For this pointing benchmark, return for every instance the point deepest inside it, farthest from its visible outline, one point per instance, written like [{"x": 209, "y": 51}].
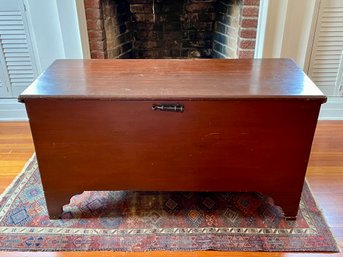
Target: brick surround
[
  {"x": 172, "y": 29},
  {"x": 235, "y": 29}
]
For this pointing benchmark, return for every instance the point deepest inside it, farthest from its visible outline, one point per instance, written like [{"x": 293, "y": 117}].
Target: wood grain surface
[
  {"x": 173, "y": 79},
  {"x": 255, "y": 146},
  {"x": 325, "y": 176}
]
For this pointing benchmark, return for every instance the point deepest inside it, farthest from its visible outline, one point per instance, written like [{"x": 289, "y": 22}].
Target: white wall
[
  {"x": 299, "y": 18},
  {"x": 288, "y": 29},
  {"x": 47, "y": 32},
  {"x": 55, "y": 27},
  {"x": 70, "y": 29}
]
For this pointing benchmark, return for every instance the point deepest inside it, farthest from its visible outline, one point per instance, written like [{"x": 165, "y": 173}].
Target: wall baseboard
[
  {"x": 12, "y": 110},
  {"x": 332, "y": 109}
]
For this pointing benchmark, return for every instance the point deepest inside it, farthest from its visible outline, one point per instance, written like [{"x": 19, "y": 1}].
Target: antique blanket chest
[{"x": 173, "y": 125}]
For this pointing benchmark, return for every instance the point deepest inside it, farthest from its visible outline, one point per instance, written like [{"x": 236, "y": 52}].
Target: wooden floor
[{"x": 325, "y": 176}]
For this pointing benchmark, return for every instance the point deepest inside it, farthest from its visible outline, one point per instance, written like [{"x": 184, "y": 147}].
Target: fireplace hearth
[{"x": 172, "y": 29}]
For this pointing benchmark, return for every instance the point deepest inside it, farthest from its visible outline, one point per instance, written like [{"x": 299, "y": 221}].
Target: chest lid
[{"x": 173, "y": 79}]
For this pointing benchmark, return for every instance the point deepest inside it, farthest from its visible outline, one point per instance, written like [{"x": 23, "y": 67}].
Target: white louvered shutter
[
  {"x": 327, "y": 46},
  {"x": 16, "y": 53}
]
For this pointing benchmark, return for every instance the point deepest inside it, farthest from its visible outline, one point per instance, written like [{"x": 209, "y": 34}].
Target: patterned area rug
[{"x": 137, "y": 221}]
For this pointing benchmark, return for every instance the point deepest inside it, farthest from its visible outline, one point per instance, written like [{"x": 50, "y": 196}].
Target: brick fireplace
[{"x": 172, "y": 28}]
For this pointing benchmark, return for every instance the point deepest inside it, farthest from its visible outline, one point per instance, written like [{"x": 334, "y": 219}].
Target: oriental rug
[{"x": 144, "y": 221}]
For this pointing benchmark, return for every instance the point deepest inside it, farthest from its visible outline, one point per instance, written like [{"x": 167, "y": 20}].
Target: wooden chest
[{"x": 173, "y": 125}]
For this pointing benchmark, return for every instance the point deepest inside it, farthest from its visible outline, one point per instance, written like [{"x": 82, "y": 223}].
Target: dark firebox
[{"x": 172, "y": 29}]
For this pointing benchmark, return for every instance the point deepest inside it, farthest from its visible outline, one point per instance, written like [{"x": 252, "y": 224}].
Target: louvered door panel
[
  {"x": 16, "y": 49},
  {"x": 327, "y": 45}
]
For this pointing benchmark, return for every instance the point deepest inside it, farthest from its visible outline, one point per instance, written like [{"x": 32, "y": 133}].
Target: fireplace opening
[{"x": 172, "y": 29}]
